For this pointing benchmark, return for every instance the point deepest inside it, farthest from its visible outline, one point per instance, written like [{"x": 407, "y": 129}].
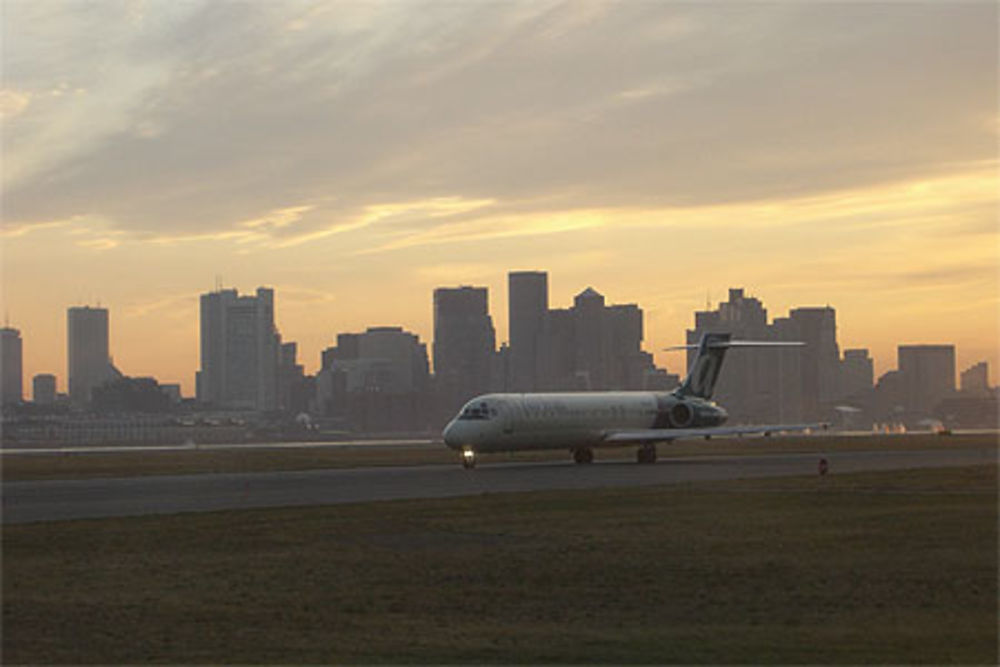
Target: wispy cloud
[{"x": 176, "y": 128}]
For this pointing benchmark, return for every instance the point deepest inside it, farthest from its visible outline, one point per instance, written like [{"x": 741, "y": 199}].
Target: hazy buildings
[
  {"x": 294, "y": 389},
  {"x": 376, "y": 381},
  {"x": 43, "y": 389},
  {"x": 464, "y": 344},
  {"x": 820, "y": 359},
  {"x": 781, "y": 384},
  {"x": 130, "y": 395},
  {"x": 11, "y": 387},
  {"x": 239, "y": 351},
  {"x": 928, "y": 376},
  {"x": 857, "y": 375},
  {"x": 593, "y": 346},
  {"x": 89, "y": 360},
  {"x": 976, "y": 405},
  {"x": 975, "y": 380},
  {"x": 528, "y": 304},
  {"x": 760, "y": 385}
]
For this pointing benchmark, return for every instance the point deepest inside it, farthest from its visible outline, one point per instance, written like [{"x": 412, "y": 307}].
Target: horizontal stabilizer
[{"x": 716, "y": 345}]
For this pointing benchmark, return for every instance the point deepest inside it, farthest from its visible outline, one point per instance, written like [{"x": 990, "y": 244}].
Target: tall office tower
[
  {"x": 239, "y": 351},
  {"x": 43, "y": 389},
  {"x": 464, "y": 343},
  {"x": 975, "y": 380},
  {"x": 528, "y": 303},
  {"x": 857, "y": 375},
  {"x": 89, "y": 361},
  {"x": 627, "y": 363},
  {"x": 785, "y": 383},
  {"x": 11, "y": 387},
  {"x": 593, "y": 346},
  {"x": 929, "y": 376},
  {"x": 591, "y": 339},
  {"x": 820, "y": 359}
]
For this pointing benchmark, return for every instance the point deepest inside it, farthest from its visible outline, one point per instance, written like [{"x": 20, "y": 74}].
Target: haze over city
[{"x": 356, "y": 156}]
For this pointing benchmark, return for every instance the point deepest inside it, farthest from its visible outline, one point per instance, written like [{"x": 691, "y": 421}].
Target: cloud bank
[{"x": 286, "y": 123}]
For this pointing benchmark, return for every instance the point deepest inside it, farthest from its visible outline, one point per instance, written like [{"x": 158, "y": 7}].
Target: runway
[
  {"x": 397, "y": 443},
  {"x": 32, "y": 501}
]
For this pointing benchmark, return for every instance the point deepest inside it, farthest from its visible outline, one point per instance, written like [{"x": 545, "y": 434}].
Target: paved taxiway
[{"x": 31, "y": 501}]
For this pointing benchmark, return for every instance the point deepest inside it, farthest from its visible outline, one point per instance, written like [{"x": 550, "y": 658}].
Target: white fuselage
[{"x": 510, "y": 422}]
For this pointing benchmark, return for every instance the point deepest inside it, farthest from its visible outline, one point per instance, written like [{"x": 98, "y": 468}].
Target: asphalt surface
[{"x": 32, "y": 501}]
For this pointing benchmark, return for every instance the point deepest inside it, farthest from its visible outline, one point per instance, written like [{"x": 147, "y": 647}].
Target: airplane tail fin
[{"x": 701, "y": 377}]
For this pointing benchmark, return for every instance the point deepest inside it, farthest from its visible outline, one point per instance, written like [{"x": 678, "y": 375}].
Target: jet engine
[{"x": 681, "y": 415}]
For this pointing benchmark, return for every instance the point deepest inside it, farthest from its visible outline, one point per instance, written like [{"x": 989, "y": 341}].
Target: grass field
[
  {"x": 121, "y": 464},
  {"x": 868, "y": 568}
]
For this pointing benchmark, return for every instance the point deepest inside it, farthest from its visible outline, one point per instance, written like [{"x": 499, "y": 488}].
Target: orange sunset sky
[{"x": 354, "y": 156}]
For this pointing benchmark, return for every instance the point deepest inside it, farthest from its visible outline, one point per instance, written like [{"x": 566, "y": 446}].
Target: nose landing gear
[
  {"x": 583, "y": 455},
  {"x": 468, "y": 458}
]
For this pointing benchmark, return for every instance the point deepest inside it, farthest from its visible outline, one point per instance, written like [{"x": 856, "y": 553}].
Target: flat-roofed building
[
  {"x": 43, "y": 389},
  {"x": 240, "y": 351},
  {"x": 928, "y": 373},
  {"x": 528, "y": 305},
  {"x": 464, "y": 344},
  {"x": 89, "y": 358}
]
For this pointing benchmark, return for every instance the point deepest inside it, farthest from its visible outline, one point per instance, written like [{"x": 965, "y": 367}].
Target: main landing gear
[
  {"x": 646, "y": 454},
  {"x": 468, "y": 459},
  {"x": 583, "y": 455}
]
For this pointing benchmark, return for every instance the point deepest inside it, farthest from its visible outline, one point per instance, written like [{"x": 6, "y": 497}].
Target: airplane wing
[{"x": 668, "y": 434}]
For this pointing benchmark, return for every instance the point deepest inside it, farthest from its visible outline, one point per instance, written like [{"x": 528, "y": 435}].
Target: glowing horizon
[{"x": 363, "y": 154}]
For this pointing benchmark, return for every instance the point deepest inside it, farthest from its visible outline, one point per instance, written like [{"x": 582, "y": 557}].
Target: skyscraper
[
  {"x": 89, "y": 361},
  {"x": 239, "y": 351},
  {"x": 590, "y": 329},
  {"x": 928, "y": 373},
  {"x": 464, "y": 343},
  {"x": 528, "y": 303},
  {"x": 11, "y": 387},
  {"x": 593, "y": 346},
  {"x": 817, "y": 328}
]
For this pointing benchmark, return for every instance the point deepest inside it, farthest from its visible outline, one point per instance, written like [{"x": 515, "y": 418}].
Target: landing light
[{"x": 468, "y": 454}]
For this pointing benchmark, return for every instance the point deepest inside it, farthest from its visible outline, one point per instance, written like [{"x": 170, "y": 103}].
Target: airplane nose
[{"x": 451, "y": 436}]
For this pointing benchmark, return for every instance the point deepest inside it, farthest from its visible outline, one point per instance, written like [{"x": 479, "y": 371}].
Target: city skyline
[
  {"x": 361, "y": 155},
  {"x": 676, "y": 357}
]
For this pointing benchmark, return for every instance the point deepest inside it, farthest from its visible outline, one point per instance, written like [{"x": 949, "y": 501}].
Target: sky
[{"x": 356, "y": 155}]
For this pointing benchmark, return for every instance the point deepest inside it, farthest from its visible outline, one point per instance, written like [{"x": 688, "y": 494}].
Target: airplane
[{"x": 584, "y": 421}]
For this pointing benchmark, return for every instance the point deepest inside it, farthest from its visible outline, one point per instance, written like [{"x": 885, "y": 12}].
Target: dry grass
[{"x": 870, "y": 568}]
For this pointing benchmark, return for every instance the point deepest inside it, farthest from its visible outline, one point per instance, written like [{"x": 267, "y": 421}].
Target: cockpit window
[{"x": 477, "y": 411}]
